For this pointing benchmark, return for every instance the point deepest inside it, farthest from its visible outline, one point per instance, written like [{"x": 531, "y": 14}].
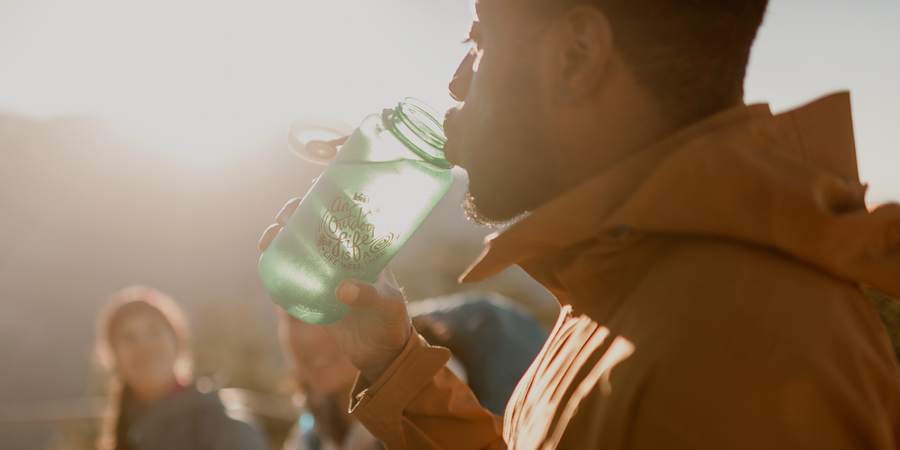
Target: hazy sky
[{"x": 209, "y": 76}]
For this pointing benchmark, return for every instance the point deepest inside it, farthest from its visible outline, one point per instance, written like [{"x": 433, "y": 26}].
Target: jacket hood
[{"x": 787, "y": 182}]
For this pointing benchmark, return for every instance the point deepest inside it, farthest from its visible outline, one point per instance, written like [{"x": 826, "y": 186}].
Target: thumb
[{"x": 359, "y": 294}]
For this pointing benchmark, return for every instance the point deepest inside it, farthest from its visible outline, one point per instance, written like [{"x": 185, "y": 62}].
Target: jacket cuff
[{"x": 416, "y": 365}]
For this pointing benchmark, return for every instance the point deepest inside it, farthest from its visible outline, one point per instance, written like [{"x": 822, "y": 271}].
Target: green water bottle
[{"x": 373, "y": 195}]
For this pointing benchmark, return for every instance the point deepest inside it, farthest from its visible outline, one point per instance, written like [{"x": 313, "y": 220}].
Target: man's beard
[
  {"x": 499, "y": 197},
  {"x": 473, "y": 213},
  {"x": 510, "y": 145}
]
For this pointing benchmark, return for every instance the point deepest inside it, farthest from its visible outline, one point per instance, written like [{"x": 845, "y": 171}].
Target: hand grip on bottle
[{"x": 313, "y": 138}]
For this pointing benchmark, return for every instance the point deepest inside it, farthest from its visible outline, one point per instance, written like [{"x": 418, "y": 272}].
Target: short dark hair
[{"x": 690, "y": 54}]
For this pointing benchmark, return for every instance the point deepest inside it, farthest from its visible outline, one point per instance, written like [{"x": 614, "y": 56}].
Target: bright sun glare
[{"x": 205, "y": 78}]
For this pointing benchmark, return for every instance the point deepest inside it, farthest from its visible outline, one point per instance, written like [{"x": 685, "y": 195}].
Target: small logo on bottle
[{"x": 347, "y": 238}]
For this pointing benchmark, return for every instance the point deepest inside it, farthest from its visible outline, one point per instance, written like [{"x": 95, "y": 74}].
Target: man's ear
[{"x": 584, "y": 48}]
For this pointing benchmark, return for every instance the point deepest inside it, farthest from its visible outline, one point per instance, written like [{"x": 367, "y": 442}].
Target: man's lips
[
  {"x": 450, "y": 153},
  {"x": 448, "y": 117}
]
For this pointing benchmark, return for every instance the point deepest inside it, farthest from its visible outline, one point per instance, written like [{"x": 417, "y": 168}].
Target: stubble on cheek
[{"x": 505, "y": 150}]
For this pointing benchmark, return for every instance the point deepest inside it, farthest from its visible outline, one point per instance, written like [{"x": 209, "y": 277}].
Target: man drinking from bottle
[{"x": 707, "y": 254}]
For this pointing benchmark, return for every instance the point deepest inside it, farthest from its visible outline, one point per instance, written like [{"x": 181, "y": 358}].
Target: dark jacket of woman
[{"x": 188, "y": 420}]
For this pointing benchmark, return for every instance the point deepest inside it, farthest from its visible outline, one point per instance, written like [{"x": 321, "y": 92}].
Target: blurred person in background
[
  {"x": 142, "y": 338},
  {"x": 707, "y": 254},
  {"x": 492, "y": 341}
]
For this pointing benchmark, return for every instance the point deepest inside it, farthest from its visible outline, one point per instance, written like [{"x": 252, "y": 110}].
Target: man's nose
[{"x": 462, "y": 79}]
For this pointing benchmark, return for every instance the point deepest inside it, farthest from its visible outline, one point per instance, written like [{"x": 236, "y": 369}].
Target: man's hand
[{"x": 376, "y": 330}]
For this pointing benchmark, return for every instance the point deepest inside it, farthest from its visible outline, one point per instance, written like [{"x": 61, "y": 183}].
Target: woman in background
[{"x": 142, "y": 338}]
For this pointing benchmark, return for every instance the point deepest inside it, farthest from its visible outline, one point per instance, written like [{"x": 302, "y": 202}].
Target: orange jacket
[{"x": 710, "y": 301}]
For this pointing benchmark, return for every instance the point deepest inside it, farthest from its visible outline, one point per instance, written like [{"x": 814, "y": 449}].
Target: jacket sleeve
[{"x": 420, "y": 404}]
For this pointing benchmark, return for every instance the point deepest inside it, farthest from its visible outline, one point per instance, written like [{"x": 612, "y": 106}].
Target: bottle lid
[
  {"x": 418, "y": 127},
  {"x": 309, "y": 138}
]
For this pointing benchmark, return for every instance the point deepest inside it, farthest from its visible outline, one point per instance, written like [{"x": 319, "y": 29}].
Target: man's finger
[
  {"x": 359, "y": 294},
  {"x": 287, "y": 210},
  {"x": 268, "y": 235},
  {"x": 348, "y": 293}
]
